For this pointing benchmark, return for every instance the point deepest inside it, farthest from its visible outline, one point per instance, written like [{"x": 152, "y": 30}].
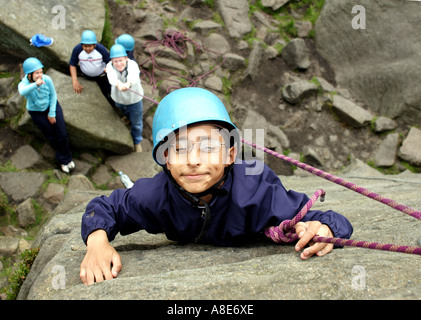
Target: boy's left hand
[
  {"x": 51, "y": 120},
  {"x": 306, "y": 231}
]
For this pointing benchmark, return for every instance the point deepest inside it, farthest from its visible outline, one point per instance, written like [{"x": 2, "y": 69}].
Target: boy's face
[
  {"x": 88, "y": 48},
  {"x": 119, "y": 63},
  {"x": 198, "y": 156}
]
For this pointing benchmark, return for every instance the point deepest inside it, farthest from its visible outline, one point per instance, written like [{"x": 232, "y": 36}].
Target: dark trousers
[{"x": 56, "y": 134}]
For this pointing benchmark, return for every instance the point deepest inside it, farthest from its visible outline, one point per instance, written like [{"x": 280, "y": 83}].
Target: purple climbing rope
[
  {"x": 177, "y": 41},
  {"x": 285, "y": 233},
  {"x": 352, "y": 186},
  {"x": 143, "y": 96}
]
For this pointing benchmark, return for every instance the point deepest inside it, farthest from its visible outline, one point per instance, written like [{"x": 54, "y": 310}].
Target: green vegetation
[
  {"x": 107, "y": 33},
  {"x": 393, "y": 170},
  {"x": 210, "y": 3},
  {"x": 227, "y": 88},
  {"x": 18, "y": 277},
  {"x": 291, "y": 13},
  {"x": 315, "y": 81}
]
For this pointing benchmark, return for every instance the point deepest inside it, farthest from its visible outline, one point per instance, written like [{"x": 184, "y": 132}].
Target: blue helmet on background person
[
  {"x": 88, "y": 37},
  {"x": 127, "y": 41},
  {"x": 184, "y": 107},
  {"x": 117, "y": 51},
  {"x": 31, "y": 64}
]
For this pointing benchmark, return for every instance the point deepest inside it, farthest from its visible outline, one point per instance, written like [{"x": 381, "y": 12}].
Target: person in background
[
  {"x": 126, "y": 90},
  {"x": 128, "y": 42},
  {"x": 45, "y": 110},
  {"x": 92, "y": 58}
]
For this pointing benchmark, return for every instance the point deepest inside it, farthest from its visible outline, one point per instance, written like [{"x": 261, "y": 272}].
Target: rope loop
[
  {"x": 285, "y": 232},
  {"x": 282, "y": 233}
]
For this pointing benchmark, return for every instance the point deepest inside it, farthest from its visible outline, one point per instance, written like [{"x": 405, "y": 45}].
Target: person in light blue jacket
[{"x": 45, "y": 111}]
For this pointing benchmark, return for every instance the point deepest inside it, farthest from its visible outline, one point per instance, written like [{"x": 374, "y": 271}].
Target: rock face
[
  {"x": 350, "y": 112},
  {"x": 235, "y": 15},
  {"x": 21, "y": 185},
  {"x": 411, "y": 147},
  {"x": 155, "y": 268},
  {"x": 378, "y": 62},
  {"x": 296, "y": 54},
  {"x": 55, "y": 20}
]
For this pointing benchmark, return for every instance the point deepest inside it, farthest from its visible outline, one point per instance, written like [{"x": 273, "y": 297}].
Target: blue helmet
[
  {"x": 88, "y": 37},
  {"x": 127, "y": 41},
  {"x": 31, "y": 64},
  {"x": 117, "y": 51},
  {"x": 184, "y": 107}
]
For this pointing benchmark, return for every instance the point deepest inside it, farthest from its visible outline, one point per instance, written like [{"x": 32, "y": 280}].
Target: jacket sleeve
[
  {"x": 125, "y": 211},
  {"x": 104, "y": 52},
  {"x": 133, "y": 72},
  {"x": 112, "y": 74},
  {"x": 26, "y": 88},
  {"x": 53, "y": 96},
  {"x": 276, "y": 204},
  {"x": 74, "y": 58}
]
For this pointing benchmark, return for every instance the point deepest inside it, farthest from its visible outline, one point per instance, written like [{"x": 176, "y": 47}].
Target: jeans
[{"x": 135, "y": 113}]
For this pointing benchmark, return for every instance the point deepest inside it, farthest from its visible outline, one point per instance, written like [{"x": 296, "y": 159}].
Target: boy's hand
[
  {"x": 306, "y": 231},
  {"x": 101, "y": 262},
  {"x": 52, "y": 120},
  {"x": 40, "y": 82},
  {"x": 77, "y": 87},
  {"x": 122, "y": 86}
]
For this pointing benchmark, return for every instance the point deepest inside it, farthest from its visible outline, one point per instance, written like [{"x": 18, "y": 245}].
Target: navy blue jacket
[{"x": 252, "y": 203}]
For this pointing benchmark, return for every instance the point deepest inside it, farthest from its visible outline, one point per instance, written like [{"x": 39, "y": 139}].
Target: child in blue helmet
[
  {"x": 128, "y": 42},
  {"x": 126, "y": 90},
  {"x": 203, "y": 195},
  {"x": 45, "y": 111},
  {"x": 92, "y": 58}
]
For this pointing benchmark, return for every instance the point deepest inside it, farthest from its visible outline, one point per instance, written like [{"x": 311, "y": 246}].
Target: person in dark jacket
[
  {"x": 205, "y": 194},
  {"x": 92, "y": 59}
]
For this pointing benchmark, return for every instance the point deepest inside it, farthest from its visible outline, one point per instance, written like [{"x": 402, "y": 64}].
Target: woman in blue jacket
[
  {"x": 203, "y": 195},
  {"x": 45, "y": 111}
]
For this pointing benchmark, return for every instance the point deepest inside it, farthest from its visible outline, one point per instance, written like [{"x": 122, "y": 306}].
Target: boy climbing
[
  {"x": 92, "y": 58},
  {"x": 203, "y": 194}
]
